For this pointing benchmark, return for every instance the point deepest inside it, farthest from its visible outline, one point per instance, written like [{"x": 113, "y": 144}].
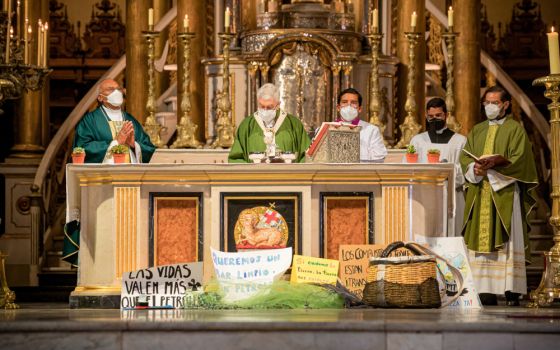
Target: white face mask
[
  {"x": 348, "y": 113},
  {"x": 115, "y": 98},
  {"x": 267, "y": 115},
  {"x": 492, "y": 111}
]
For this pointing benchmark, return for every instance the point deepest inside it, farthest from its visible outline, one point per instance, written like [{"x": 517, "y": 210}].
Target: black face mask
[{"x": 435, "y": 124}]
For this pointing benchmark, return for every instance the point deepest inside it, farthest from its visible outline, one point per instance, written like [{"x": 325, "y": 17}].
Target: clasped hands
[
  {"x": 482, "y": 165},
  {"x": 126, "y": 135}
]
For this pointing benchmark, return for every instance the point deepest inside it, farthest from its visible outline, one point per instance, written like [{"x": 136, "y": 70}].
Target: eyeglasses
[
  {"x": 351, "y": 103},
  {"x": 495, "y": 103}
]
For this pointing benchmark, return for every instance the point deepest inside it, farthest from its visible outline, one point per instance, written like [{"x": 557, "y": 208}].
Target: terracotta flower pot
[
  {"x": 433, "y": 157},
  {"x": 78, "y": 158},
  {"x": 412, "y": 157},
  {"x": 118, "y": 158}
]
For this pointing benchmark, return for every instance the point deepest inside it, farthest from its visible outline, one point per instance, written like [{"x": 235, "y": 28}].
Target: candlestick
[
  {"x": 375, "y": 20},
  {"x": 374, "y": 91},
  {"x": 553, "y": 52},
  {"x": 450, "y": 17},
  {"x": 151, "y": 126},
  {"x": 186, "y": 23},
  {"x": 226, "y": 19},
  {"x": 186, "y": 128},
  {"x": 27, "y": 35},
  {"x": 39, "y": 39},
  {"x": 18, "y": 31},
  {"x": 151, "y": 19},
  {"x": 452, "y": 122}
]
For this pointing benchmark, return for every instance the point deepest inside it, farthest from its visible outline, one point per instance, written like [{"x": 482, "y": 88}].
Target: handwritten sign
[
  {"x": 307, "y": 269},
  {"x": 240, "y": 275},
  {"x": 162, "y": 286},
  {"x": 354, "y": 261},
  {"x": 453, "y": 250}
]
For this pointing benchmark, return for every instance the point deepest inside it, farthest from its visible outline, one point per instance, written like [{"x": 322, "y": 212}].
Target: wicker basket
[{"x": 406, "y": 281}]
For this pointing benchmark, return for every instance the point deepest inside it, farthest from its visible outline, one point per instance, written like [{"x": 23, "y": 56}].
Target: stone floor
[{"x": 50, "y": 326}]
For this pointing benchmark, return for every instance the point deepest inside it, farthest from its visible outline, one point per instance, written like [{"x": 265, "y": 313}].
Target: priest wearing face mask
[
  {"x": 109, "y": 125},
  {"x": 450, "y": 145},
  {"x": 269, "y": 130},
  {"x": 372, "y": 148},
  {"x": 501, "y": 177}
]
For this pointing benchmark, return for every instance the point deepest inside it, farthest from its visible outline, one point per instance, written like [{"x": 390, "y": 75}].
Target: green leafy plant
[
  {"x": 410, "y": 149},
  {"x": 78, "y": 150},
  {"x": 433, "y": 151},
  {"x": 119, "y": 149}
]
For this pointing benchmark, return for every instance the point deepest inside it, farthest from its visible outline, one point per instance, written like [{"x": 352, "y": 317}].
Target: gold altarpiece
[{"x": 311, "y": 52}]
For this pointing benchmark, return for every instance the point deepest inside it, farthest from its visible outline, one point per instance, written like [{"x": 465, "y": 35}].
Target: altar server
[
  {"x": 450, "y": 144},
  {"x": 269, "y": 130},
  {"x": 110, "y": 125}
]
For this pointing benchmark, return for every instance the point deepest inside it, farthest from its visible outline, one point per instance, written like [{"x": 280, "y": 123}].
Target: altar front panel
[{"x": 122, "y": 231}]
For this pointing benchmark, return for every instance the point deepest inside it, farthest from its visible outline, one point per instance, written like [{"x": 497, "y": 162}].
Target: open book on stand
[{"x": 335, "y": 142}]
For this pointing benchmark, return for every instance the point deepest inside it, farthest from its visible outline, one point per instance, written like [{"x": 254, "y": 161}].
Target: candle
[
  {"x": 45, "y": 43},
  {"x": 226, "y": 19},
  {"x": 450, "y": 17},
  {"x": 151, "y": 18},
  {"x": 11, "y": 32},
  {"x": 553, "y": 52},
  {"x": 9, "y": 11},
  {"x": 375, "y": 20},
  {"x": 27, "y": 35},
  {"x": 18, "y": 19},
  {"x": 413, "y": 19},
  {"x": 39, "y": 43},
  {"x": 186, "y": 23}
]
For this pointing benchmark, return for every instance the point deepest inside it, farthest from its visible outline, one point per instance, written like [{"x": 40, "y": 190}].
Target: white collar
[
  {"x": 497, "y": 121},
  {"x": 113, "y": 114}
]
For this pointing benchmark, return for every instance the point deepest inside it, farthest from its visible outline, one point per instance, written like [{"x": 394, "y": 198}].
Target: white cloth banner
[{"x": 240, "y": 274}]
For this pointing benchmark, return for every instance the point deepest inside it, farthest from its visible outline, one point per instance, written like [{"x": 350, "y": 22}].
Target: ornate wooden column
[
  {"x": 197, "y": 17},
  {"x": 248, "y": 14},
  {"x": 162, "y": 79},
  {"x": 136, "y": 59},
  {"x": 405, "y": 10},
  {"x": 467, "y": 62},
  {"x": 32, "y": 121}
]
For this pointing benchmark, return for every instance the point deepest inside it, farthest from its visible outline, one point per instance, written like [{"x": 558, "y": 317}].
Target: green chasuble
[
  {"x": 249, "y": 138},
  {"x": 94, "y": 135},
  {"x": 487, "y": 225}
]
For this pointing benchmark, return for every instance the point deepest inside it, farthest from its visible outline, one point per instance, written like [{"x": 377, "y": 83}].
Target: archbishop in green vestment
[
  {"x": 269, "y": 130},
  {"x": 501, "y": 175}
]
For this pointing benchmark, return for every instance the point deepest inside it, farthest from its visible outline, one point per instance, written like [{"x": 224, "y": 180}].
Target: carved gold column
[
  {"x": 467, "y": 70},
  {"x": 31, "y": 110},
  {"x": 346, "y": 72},
  {"x": 135, "y": 74},
  {"x": 197, "y": 18},
  {"x": 336, "y": 87},
  {"x": 160, "y": 9},
  {"x": 405, "y": 10},
  {"x": 252, "y": 68},
  {"x": 452, "y": 122},
  {"x": 549, "y": 288},
  {"x": 264, "y": 68}
]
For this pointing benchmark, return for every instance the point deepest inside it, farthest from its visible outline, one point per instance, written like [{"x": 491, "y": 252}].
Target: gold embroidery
[{"x": 486, "y": 197}]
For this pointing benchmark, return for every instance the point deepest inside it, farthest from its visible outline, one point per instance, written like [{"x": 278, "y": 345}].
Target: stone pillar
[
  {"x": 467, "y": 63},
  {"x": 162, "y": 79},
  {"x": 197, "y": 15},
  {"x": 405, "y": 10},
  {"x": 32, "y": 121},
  {"x": 136, "y": 58}
]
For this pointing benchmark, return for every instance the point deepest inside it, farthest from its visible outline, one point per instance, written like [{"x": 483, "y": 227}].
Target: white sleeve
[
  {"x": 108, "y": 158},
  {"x": 377, "y": 150},
  {"x": 136, "y": 156},
  {"x": 498, "y": 181},
  {"x": 470, "y": 176}
]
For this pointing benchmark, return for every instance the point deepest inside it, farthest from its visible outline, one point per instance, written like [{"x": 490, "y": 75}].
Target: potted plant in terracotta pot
[
  {"x": 78, "y": 155},
  {"x": 411, "y": 155},
  {"x": 433, "y": 155},
  {"x": 119, "y": 153}
]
